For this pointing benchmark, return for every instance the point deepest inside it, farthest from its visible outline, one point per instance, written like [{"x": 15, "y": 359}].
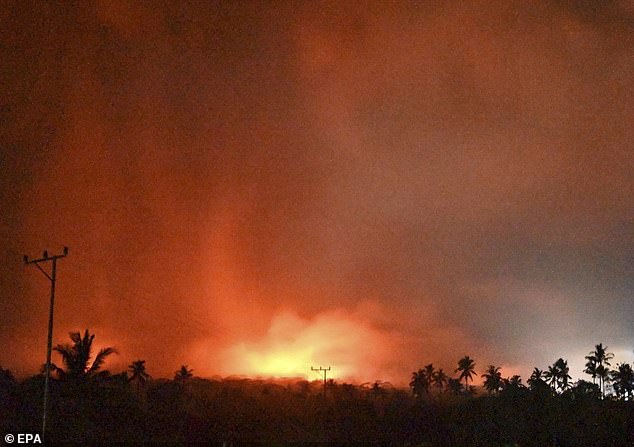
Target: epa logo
[{"x": 23, "y": 438}]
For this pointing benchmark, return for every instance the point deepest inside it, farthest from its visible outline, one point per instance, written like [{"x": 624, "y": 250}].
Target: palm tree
[
  {"x": 377, "y": 388},
  {"x": 562, "y": 369},
  {"x": 429, "y": 376},
  {"x": 492, "y": 379},
  {"x": 183, "y": 374},
  {"x": 591, "y": 367},
  {"x": 550, "y": 376},
  {"x": 429, "y": 371},
  {"x": 623, "y": 379},
  {"x": 440, "y": 379},
  {"x": 603, "y": 373},
  {"x": 454, "y": 386},
  {"x": 76, "y": 357},
  {"x": 585, "y": 389},
  {"x": 513, "y": 384},
  {"x": 536, "y": 380},
  {"x": 601, "y": 359},
  {"x": 419, "y": 383},
  {"x": 138, "y": 373},
  {"x": 466, "y": 366}
]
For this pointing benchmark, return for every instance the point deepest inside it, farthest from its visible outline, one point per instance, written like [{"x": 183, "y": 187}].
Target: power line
[{"x": 52, "y": 278}]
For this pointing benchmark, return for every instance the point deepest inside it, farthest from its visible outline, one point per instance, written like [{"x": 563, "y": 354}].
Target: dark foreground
[{"x": 114, "y": 411}]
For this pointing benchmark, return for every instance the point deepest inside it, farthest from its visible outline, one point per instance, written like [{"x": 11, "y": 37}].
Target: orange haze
[{"x": 260, "y": 188}]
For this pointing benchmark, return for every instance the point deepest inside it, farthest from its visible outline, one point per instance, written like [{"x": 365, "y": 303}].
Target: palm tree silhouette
[
  {"x": 562, "y": 376},
  {"x": 422, "y": 380},
  {"x": 429, "y": 376},
  {"x": 439, "y": 379},
  {"x": 536, "y": 380},
  {"x": 454, "y": 386},
  {"x": 550, "y": 376},
  {"x": 600, "y": 359},
  {"x": 419, "y": 383},
  {"x": 183, "y": 374},
  {"x": 492, "y": 379},
  {"x": 623, "y": 379},
  {"x": 138, "y": 373},
  {"x": 591, "y": 367},
  {"x": 513, "y": 384},
  {"x": 377, "y": 388},
  {"x": 466, "y": 366},
  {"x": 76, "y": 357}
]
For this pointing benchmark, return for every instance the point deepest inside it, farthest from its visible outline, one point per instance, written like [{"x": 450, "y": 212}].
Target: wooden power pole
[
  {"x": 325, "y": 370},
  {"x": 52, "y": 277}
]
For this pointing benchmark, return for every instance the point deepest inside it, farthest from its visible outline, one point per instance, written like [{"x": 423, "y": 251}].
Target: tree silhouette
[
  {"x": 183, "y": 374},
  {"x": 623, "y": 380},
  {"x": 422, "y": 380},
  {"x": 439, "y": 378},
  {"x": 7, "y": 382},
  {"x": 512, "y": 385},
  {"x": 419, "y": 383},
  {"x": 377, "y": 388},
  {"x": 466, "y": 366},
  {"x": 454, "y": 386},
  {"x": 536, "y": 380},
  {"x": 562, "y": 376},
  {"x": 138, "y": 374},
  {"x": 429, "y": 377},
  {"x": 550, "y": 376},
  {"x": 584, "y": 389},
  {"x": 492, "y": 379},
  {"x": 591, "y": 367},
  {"x": 598, "y": 362},
  {"x": 6, "y": 376},
  {"x": 76, "y": 357}
]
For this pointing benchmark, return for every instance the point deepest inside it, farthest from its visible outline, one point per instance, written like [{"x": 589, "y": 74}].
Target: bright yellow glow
[
  {"x": 293, "y": 345},
  {"x": 281, "y": 363}
]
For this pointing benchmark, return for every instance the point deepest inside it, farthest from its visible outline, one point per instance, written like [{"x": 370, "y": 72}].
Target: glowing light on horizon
[
  {"x": 281, "y": 362},
  {"x": 293, "y": 345}
]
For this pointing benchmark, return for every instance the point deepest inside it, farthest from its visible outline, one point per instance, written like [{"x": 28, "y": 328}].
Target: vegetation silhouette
[
  {"x": 623, "y": 381},
  {"x": 138, "y": 373},
  {"x": 183, "y": 374},
  {"x": 76, "y": 357},
  {"x": 439, "y": 378},
  {"x": 466, "y": 367},
  {"x": 139, "y": 376},
  {"x": 536, "y": 380},
  {"x": 492, "y": 379},
  {"x": 597, "y": 365},
  {"x": 90, "y": 406},
  {"x": 454, "y": 386},
  {"x": 419, "y": 383}
]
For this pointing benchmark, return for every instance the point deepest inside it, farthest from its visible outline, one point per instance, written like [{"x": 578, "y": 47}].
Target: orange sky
[{"x": 249, "y": 187}]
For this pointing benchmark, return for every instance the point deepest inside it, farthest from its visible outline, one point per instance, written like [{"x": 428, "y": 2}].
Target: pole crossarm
[{"x": 49, "y": 258}]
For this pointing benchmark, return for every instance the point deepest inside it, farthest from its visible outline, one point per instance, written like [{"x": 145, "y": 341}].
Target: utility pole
[
  {"x": 325, "y": 371},
  {"x": 52, "y": 277}
]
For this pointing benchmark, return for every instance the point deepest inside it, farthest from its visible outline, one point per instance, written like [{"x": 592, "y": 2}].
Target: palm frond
[{"x": 100, "y": 358}]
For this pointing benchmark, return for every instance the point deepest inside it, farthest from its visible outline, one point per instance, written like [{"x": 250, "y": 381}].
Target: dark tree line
[
  {"x": 557, "y": 377},
  {"x": 90, "y": 406}
]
